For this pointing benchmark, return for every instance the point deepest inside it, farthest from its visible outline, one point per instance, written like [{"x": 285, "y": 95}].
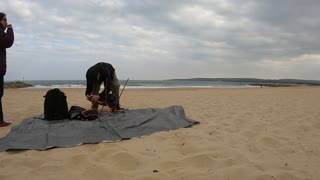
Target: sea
[{"x": 136, "y": 84}]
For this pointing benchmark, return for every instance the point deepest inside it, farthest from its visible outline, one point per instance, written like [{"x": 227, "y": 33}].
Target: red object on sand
[{"x": 4, "y": 123}]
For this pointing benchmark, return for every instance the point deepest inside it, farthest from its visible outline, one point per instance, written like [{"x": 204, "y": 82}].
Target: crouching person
[{"x": 96, "y": 75}]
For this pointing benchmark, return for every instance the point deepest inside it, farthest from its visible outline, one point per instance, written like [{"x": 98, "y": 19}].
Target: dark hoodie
[
  {"x": 106, "y": 72},
  {"x": 6, "y": 41}
]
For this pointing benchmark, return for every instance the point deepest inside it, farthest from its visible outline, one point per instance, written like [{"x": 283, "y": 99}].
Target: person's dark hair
[
  {"x": 92, "y": 74},
  {"x": 2, "y": 15}
]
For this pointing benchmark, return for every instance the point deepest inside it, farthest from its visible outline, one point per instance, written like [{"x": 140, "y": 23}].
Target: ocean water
[{"x": 141, "y": 84}]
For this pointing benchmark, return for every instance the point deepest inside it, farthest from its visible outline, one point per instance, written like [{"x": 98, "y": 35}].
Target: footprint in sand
[
  {"x": 201, "y": 160},
  {"x": 124, "y": 161},
  {"x": 270, "y": 142}
]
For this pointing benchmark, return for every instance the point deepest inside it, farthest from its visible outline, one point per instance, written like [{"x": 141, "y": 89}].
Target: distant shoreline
[
  {"x": 267, "y": 82},
  {"x": 173, "y": 83},
  {"x": 281, "y": 84}
]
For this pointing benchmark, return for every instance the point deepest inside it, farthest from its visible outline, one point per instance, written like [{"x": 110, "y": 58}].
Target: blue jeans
[
  {"x": 114, "y": 87},
  {"x": 1, "y": 94}
]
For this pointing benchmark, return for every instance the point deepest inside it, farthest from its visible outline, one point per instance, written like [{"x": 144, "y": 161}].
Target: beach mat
[{"x": 37, "y": 134}]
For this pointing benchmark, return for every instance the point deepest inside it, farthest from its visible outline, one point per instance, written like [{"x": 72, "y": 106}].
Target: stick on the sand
[{"x": 123, "y": 87}]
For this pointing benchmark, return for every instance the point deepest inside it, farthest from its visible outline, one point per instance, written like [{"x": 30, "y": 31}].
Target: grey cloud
[{"x": 149, "y": 39}]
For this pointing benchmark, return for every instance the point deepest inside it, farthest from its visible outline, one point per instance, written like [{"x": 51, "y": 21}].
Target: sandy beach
[{"x": 244, "y": 134}]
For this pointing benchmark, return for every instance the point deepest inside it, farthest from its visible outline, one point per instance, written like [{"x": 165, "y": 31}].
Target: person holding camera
[{"x": 6, "y": 41}]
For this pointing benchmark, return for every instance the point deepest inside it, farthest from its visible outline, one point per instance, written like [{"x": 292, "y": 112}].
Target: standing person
[
  {"x": 96, "y": 75},
  {"x": 6, "y": 41}
]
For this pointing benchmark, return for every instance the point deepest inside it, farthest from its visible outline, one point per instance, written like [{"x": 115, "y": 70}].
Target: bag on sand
[
  {"x": 55, "y": 105},
  {"x": 90, "y": 114},
  {"x": 79, "y": 113}
]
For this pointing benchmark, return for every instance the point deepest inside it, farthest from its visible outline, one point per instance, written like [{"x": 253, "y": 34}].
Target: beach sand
[{"x": 244, "y": 133}]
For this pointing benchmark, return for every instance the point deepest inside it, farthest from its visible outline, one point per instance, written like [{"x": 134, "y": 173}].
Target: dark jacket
[
  {"x": 106, "y": 72},
  {"x": 6, "y": 41}
]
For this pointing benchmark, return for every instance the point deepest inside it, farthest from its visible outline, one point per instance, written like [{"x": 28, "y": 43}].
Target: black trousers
[{"x": 1, "y": 94}]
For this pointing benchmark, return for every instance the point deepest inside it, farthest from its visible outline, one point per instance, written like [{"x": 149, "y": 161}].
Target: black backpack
[{"x": 55, "y": 105}]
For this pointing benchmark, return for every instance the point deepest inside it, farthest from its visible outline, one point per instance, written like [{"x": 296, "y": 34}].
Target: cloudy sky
[{"x": 153, "y": 39}]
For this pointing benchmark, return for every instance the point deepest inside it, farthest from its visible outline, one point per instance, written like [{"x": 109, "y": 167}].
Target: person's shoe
[
  {"x": 117, "y": 108},
  {"x": 4, "y": 123}
]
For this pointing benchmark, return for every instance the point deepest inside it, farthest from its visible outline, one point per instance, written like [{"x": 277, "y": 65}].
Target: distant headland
[{"x": 16, "y": 84}]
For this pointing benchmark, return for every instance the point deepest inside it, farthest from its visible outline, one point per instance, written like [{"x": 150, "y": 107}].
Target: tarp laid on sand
[{"x": 35, "y": 133}]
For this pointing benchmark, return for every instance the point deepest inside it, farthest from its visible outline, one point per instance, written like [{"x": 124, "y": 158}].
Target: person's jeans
[
  {"x": 114, "y": 87},
  {"x": 1, "y": 94}
]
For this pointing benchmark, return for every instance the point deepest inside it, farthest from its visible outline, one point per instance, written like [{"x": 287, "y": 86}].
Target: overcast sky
[{"x": 164, "y": 39}]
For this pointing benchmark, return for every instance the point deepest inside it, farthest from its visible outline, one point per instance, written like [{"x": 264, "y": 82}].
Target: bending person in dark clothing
[
  {"x": 96, "y": 75},
  {"x": 6, "y": 41}
]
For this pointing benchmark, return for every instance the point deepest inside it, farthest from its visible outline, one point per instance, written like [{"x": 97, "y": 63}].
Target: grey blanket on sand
[{"x": 38, "y": 134}]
